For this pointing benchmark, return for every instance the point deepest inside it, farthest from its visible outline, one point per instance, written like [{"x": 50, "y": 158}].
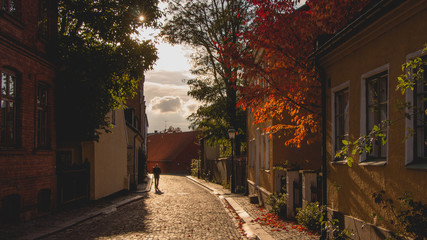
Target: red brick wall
[{"x": 25, "y": 169}]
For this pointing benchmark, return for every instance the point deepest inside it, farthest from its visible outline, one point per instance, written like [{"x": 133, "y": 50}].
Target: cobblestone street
[{"x": 184, "y": 211}]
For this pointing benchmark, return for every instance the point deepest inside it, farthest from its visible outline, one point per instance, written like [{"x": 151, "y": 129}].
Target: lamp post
[{"x": 232, "y": 136}]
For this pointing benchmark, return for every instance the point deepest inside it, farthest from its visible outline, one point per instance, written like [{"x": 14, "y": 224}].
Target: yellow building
[
  {"x": 108, "y": 159},
  {"x": 361, "y": 64}
]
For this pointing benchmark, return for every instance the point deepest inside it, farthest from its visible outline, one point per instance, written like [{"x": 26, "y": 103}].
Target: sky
[{"x": 165, "y": 89}]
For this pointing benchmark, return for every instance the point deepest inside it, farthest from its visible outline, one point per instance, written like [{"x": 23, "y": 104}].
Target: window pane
[
  {"x": 11, "y": 134},
  {"x": 3, "y": 121},
  {"x": 3, "y": 83},
  {"x": 420, "y": 120},
  {"x": 42, "y": 130},
  {"x": 12, "y": 81},
  {"x": 341, "y": 118},
  {"x": 377, "y": 102}
]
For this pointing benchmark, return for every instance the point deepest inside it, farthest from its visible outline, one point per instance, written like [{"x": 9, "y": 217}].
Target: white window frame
[
  {"x": 333, "y": 92},
  {"x": 252, "y": 152},
  {"x": 262, "y": 150},
  {"x": 267, "y": 151},
  {"x": 410, "y": 156},
  {"x": 363, "y": 97}
]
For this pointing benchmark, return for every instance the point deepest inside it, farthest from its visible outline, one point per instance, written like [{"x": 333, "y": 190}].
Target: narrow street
[{"x": 185, "y": 210}]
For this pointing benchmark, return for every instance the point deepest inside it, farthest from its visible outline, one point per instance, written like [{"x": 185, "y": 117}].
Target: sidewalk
[
  {"x": 47, "y": 225},
  {"x": 255, "y": 221}
]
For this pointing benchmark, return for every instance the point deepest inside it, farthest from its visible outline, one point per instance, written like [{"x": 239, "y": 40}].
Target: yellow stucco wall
[
  {"x": 108, "y": 158},
  {"x": 386, "y": 42},
  {"x": 307, "y": 157}
]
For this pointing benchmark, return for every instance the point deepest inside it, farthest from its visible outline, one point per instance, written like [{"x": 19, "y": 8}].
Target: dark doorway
[
  {"x": 142, "y": 165},
  {"x": 11, "y": 209},
  {"x": 43, "y": 200}
]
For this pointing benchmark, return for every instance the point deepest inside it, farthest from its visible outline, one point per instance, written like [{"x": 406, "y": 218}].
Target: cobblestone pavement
[
  {"x": 289, "y": 229},
  {"x": 183, "y": 211}
]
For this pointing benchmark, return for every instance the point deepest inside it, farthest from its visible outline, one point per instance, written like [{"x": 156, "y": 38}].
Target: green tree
[
  {"x": 206, "y": 26},
  {"x": 100, "y": 61}
]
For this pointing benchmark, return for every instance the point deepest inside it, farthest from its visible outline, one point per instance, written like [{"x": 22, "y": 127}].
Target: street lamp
[{"x": 232, "y": 136}]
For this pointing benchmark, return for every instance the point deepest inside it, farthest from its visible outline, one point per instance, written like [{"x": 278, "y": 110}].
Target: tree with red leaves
[{"x": 274, "y": 60}]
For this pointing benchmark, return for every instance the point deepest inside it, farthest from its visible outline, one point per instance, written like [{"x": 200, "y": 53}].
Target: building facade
[
  {"x": 137, "y": 127},
  {"x": 173, "y": 151},
  {"x": 361, "y": 65},
  {"x": 274, "y": 167},
  {"x": 107, "y": 158},
  {"x": 27, "y": 129}
]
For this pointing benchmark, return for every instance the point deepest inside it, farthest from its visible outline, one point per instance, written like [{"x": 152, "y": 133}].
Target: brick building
[
  {"x": 27, "y": 132},
  {"x": 173, "y": 151}
]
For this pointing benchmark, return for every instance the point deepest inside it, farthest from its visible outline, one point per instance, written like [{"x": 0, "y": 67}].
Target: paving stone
[{"x": 183, "y": 211}]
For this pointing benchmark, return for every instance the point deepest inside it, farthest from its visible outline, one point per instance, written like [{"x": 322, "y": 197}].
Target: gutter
[{"x": 372, "y": 12}]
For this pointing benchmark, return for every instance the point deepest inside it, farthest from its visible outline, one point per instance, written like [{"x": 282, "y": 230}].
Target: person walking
[{"x": 156, "y": 173}]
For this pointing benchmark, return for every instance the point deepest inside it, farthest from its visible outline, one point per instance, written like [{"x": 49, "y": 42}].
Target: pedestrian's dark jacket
[{"x": 156, "y": 171}]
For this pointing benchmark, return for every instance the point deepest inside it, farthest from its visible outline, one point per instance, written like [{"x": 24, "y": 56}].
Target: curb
[
  {"x": 252, "y": 229},
  {"x": 90, "y": 215}
]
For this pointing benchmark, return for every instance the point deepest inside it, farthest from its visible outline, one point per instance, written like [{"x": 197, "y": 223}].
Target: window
[
  {"x": 252, "y": 152},
  {"x": 340, "y": 118},
  {"x": 420, "y": 119},
  {"x": 113, "y": 117},
  {"x": 262, "y": 144},
  {"x": 8, "y": 109},
  {"x": 12, "y": 7},
  {"x": 42, "y": 116},
  {"x": 267, "y": 151},
  {"x": 376, "y": 111}
]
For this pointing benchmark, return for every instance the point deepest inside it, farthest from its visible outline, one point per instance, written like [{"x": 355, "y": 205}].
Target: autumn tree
[
  {"x": 282, "y": 82},
  {"x": 100, "y": 61},
  {"x": 206, "y": 25}
]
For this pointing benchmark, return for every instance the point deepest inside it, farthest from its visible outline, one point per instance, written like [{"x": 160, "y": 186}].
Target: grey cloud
[{"x": 167, "y": 77}]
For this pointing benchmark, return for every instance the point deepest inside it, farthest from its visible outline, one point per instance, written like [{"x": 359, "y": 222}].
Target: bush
[
  {"x": 195, "y": 167},
  {"x": 278, "y": 203},
  {"x": 311, "y": 216},
  {"x": 335, "y": 232}
]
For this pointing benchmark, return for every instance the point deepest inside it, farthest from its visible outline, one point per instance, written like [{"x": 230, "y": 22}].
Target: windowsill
[
  {"x": 340, "y": 162},
  {"x": 417, "y": 166},
  {"x": 373, "y": 163},
  {"x": 43, "y": 151}
]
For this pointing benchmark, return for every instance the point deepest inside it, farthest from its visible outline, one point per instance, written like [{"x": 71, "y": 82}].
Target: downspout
[
  {"x": 135, "y": 178},
  {"x": 324, "y": 158}
]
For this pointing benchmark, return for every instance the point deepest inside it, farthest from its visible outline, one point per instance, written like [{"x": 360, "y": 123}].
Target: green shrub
[
  {"x": 335, "y": 232},
  {"x": 195, "y": 167},
  {"x": 278, "y": 203},
  {"x": 311, "y": 216}
]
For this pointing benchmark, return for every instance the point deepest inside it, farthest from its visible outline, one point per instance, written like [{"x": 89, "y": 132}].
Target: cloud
[
  {"x": 168, "y": 77},
  {"x": 191, "y": 106},
  {"x": 153, "y": 90},
  {"x": 166, "y": 104}
]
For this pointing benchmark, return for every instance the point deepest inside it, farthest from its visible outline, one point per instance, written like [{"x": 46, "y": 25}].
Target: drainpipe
[{"x": 324, "y": 159}]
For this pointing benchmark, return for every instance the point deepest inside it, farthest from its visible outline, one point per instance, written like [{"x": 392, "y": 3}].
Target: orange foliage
[{"x": 281, "y": 81}]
